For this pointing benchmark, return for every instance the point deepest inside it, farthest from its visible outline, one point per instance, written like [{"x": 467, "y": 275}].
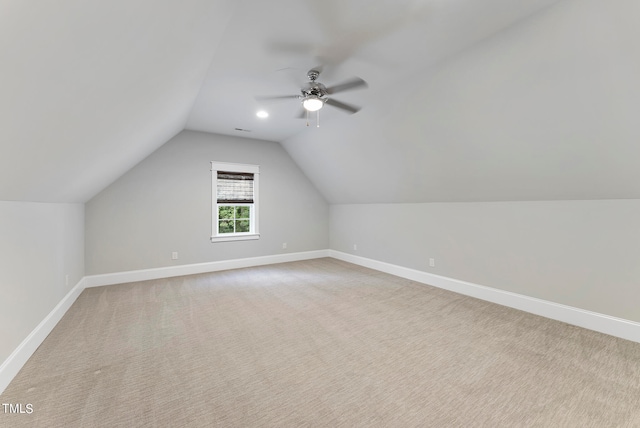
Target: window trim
[{"x": 234, "y": 167}]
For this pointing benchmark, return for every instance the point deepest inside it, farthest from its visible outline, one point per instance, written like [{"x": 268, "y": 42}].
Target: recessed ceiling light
[{"x": 262, "y": 114}]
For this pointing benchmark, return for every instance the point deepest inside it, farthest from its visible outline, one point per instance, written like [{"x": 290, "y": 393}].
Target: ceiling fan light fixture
[{"x": 312, "y": 103}]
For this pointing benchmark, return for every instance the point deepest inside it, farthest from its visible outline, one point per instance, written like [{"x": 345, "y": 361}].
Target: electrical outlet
[
  {"x": 432, "y": 262},
  {"x": 284, "y": 245},
  {"x": 355, "y": 247},
  {"x": 174, "y": 255}
]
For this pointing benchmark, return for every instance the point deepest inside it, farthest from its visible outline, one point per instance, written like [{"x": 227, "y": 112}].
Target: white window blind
[{"x": 235, "y": 187}]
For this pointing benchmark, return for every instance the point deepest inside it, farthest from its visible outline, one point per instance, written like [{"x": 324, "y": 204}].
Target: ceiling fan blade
[
  {"x": 347, "y": 107},
  {"x": 276, "y": 97},
  {"x": 286, "y": 47},
  {"x": 350, "y": 84}
]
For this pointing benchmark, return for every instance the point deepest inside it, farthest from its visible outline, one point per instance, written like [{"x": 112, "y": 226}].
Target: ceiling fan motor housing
[{"x": 314, "y": 88}]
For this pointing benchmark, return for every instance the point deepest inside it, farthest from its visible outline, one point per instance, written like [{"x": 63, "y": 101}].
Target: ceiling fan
[{"x": 314, "y": 95}]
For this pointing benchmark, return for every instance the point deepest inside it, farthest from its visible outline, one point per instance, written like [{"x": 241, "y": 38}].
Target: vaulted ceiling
[{"x": 467, "y": 100}]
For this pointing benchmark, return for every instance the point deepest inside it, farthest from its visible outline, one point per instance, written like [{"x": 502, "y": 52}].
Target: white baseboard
[
  {"x": 171, "y": 271},
  {"x": 613, "y": 326},
  {"x": 12, "y": 365}
]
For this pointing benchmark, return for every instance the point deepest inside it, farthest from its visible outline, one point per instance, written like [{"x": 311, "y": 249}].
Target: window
[{"x": 234, "y": 201}]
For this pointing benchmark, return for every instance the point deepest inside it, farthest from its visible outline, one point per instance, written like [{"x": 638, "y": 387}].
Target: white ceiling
[
  {"x": 467, "y": 99},
  {"x": 269, "y": 47},
  {"x": 88, "y": 89}
]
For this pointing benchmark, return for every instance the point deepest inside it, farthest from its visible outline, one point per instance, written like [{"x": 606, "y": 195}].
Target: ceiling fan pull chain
[
  {"x": 307, "y": 117},
  {"x": 318, "y": 119}
]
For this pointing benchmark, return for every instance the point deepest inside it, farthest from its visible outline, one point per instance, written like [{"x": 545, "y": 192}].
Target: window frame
[{"x": 254, "y": 210}]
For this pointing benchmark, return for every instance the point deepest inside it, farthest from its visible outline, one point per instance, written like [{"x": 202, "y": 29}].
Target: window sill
[{"x": 235, "y": 237}]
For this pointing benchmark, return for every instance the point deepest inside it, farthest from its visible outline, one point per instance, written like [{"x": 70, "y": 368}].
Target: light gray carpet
[{"x": 318, "y": 343}]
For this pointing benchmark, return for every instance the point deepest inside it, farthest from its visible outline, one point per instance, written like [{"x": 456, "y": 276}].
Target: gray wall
[
  {"x": 584, "y": 254},
  {"x": 164, "y": 205},
  {"x": 41, "y": 244}
]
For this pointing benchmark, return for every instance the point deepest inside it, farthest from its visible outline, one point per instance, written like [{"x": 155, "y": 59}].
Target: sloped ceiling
[
  {"x": 88, "y": 89},
  {"x": 545, "y": 110},
  {"x": 467, "y": 100}
]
